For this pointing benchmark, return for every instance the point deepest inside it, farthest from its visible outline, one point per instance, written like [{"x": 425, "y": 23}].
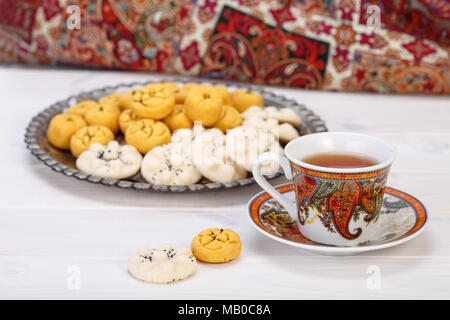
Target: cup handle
[{"x": 284, "y": 162}]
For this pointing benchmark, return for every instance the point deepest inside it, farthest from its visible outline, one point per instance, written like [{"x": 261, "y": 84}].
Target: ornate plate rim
[
  {"x": 33, "y": 129},
  {"x": 324, "y": 249}
]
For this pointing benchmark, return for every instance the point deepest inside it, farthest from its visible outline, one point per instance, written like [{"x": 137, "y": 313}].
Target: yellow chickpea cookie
[
  {"x": 82, "y": 107},
  {"x": 61, "y": 129},
  {"x": 180, "y": 94},
  {"x": 178, "y": 119},
  {"x": 126, "y": 101},
  {"x": 242, "y": 100},
  {"x": 126, "y": 118},
  {"x": 104, "y": 115},
  {"x": 83, "y": 138},
  {"x": 146, "y": 134},
  {"x": 226, "y": 97},
  {"x": 229, "y": 119},
  {"x": 203, "y": 104},
  {"x": 114, "y": 99},
  {"x": 153, "y": 102},
  {"x": 216, "y": 245},
  {"x": 171, "y": 86}
]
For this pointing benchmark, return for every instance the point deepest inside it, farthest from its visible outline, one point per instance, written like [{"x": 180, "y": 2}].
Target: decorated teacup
[{"x": 335, "y": 206}]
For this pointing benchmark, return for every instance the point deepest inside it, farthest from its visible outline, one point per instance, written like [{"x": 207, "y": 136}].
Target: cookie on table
[
  {"x": 84, "y": 137},
  {"x": 163, "y": 265},
  {"x": 203, "y": 104},
  {"x": 153, "y": 102},
  {"x": 178, "y": 118},
  {"x": 104, "y": 115},
  {"x": 61, "y": 129},
  {"x": 145, "y": 134},
  {"x": 216, "y": 245},
  {"x": 82, "y": 107}
]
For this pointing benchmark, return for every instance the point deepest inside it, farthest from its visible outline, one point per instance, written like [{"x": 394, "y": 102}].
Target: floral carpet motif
[{"x": 326, "y": 45}]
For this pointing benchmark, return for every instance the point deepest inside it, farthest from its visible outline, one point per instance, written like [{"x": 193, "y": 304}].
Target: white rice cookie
[
  {"x": 163, "y": 265},
  {"x": 170, "y": 164},
  {"x": 209, "y": 157},
  {"x": 112, "y": 161},
  {"x": 283, "y": 115},
  {"x": 254, "y": 111},
  {"x": 244, "y": 144},
  {"x": 286, "y": 132},
  {"x": 261, "y": 123}
]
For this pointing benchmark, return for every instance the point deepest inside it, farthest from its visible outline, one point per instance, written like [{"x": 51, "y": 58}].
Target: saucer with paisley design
[{"x": 402, "y": 218}]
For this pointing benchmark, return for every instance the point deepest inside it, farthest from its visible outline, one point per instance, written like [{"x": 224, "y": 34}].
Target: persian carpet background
[{"x": 309, "y": 44}]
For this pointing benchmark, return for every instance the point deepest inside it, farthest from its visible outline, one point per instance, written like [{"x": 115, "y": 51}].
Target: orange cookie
[
  {"x": 226, "y": 98},
  {"x": 81, "y": 108},
  {"x": 126, "y": 118},
  {"x": 171, "y": 86},
  {"x": 146, "y": 134},
  {"x": 104, "y": 115},
  {"x": 242, "y": 100},
  {"x": 114, "y": 99},
  {"x": 153, "y": 102},
  {"x": 203, "y": 104},
  {"x": 178, "y": 119},
  {"x": 216, "y": 245},
  {"x": 229, "y": 119},
  {"x": 126, "y": 101},
  {"x": 180, "y": 94},
  {"x": 86, "y": 136},
  {"x": 61, "y": 129}
]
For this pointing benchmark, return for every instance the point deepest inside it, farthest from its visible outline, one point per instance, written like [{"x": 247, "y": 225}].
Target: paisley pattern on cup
[{"x": 337, "y": 199}]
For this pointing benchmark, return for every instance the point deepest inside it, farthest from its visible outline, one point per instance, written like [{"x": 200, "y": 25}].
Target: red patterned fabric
[{"x": 325, "y": 45}]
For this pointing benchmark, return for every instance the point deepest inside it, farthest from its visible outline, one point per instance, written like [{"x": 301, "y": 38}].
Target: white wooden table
[{"x": 55, "y": 230}]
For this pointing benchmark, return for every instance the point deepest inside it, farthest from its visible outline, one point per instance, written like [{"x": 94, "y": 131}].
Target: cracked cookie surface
[
  {"x": 83, "y": 138},
  {"x": 145, "y": 134},
  {"x": 153, "y": 102},
  {"x": 216, "y": 245}
]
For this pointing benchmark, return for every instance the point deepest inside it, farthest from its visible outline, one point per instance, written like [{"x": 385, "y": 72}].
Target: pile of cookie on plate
[{"x": 173, "y": 135}]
